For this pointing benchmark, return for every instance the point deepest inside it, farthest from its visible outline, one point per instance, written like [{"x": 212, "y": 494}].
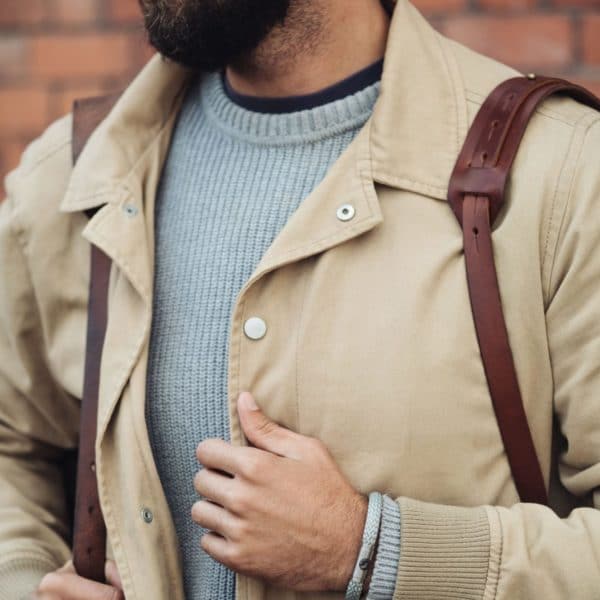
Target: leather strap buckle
[{"x": 477, "y": 181}]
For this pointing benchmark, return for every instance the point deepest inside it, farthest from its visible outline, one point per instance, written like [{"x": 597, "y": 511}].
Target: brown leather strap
[
  {"x": 88, "y": 113},
  {"x": 89, "y": 539},
  {"x": 476, "y": 195},
  {"x": 493, "y": 140},
  {"x": 89, "y": 535}
]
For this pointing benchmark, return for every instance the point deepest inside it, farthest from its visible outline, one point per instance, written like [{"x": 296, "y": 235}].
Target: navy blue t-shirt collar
[{"x": 350, "y": 85}]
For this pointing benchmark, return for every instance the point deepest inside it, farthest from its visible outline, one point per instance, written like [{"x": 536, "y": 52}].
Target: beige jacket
[{"x": 370, "y": 344}]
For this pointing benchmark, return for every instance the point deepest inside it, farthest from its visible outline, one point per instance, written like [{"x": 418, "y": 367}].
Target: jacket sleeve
[
  {"x": 527, "y": 551},
  {"x": 35, "y": 422}
]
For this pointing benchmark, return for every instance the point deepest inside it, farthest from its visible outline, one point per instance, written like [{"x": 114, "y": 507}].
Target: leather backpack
[{"x": 475, "y": 194}]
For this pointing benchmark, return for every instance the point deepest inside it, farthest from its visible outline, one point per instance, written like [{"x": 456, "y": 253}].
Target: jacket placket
[
  {"x": 121, "y": 230},
  {"x": 318, "y": 225}
]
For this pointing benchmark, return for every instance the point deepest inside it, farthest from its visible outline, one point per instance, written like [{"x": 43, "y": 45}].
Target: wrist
[{"x": 351, "y": 544}]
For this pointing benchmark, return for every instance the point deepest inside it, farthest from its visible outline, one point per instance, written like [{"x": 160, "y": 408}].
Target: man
[{"x": 289, "y": 325}]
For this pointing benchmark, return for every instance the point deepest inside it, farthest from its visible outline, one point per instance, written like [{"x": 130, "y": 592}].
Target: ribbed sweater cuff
[
  {"x": 20, "y": 576},
  {"x": 383, "y": 580},
  {"x": 446, "y": 551}
]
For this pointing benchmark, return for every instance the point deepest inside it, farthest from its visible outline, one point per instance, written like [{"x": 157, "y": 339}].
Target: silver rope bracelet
[{"x": 367, "y": 549}]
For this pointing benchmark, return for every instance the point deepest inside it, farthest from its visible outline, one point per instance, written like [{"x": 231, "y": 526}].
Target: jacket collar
[
  {"x": 418, "y": 124},
  {"x": 110, "y": 162},
  {"x": 420, "y": 120}
]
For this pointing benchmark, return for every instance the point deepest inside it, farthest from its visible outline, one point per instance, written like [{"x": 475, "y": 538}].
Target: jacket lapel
[{"x": 421, "y": 119}]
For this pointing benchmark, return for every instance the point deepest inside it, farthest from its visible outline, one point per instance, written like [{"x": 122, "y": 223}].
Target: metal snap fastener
[
  {"x": 147, "y": 515},
  {"x": 130, "y": 210},
  {"x": 255, "y": 328},
  {"x": 531, "y": 75},
  {"x": 345, "y": 212}
]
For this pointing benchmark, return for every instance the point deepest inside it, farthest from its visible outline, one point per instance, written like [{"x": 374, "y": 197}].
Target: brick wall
[{"x": 54, "y": 50}]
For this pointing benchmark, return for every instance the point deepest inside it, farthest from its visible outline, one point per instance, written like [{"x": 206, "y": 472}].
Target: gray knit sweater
[{"x": 232, "y": 179}]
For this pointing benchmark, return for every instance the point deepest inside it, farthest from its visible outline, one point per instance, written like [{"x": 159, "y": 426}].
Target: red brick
[
  {"x": 124, "y": 11},
  {"x": 591, "y": 39},
  {"x": 13, "y": 55},
  {"x": 577, "y": 3},
  {"x": 23, "y": 110},
  {"x": 80, "y": 56},
  {"x": 141, "y": 51},
  {"x": 508, "y": 5},
  {"x": 21, "y": 12},
  {"x": 435, "y": 7},
  {"x": 71, "y": 12},
  {"x": 520, "y": 41}
]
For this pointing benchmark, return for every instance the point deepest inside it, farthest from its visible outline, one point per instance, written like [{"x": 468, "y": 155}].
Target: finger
[
  {"x": 265, "y": 433},
  {"x": 216, "y": 546},
  {"x": 214, "y": 486},
  {"x": 213, "y": 517},
  {"x": 219, "y": 454},
  {"x": 68, "y": 586},
  {"x": 112, "y": 574}
]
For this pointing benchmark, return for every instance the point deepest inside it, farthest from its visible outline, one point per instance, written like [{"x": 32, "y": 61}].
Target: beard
[{"x": 207, "y": 35}]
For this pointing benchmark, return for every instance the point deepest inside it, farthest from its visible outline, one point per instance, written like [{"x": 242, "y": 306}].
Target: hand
[
  {"x": 65, "y": 584},
  {"x": 281, "y": 511}
]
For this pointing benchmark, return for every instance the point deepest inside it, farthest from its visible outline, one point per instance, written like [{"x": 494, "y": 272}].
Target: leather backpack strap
[
  {"x": 476, "y": 195},
  {"x": 89, "y": 530},
  {"x": 88, "y": 113}
]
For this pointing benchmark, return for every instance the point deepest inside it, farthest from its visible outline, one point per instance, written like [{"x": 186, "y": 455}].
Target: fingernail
[{"x": 249, "y": 401}]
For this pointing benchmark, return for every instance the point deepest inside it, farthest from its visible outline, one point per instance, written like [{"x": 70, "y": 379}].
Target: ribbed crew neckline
[{"x": 277, "y": 129}]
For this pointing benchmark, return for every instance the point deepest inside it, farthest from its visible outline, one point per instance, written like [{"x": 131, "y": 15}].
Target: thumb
[
  {"x": 111, "y": 572},
  {"x": 261, "y": 431}
]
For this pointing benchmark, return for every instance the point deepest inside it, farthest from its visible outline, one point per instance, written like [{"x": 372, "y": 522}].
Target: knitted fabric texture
[{"x": 232, "y": 179}]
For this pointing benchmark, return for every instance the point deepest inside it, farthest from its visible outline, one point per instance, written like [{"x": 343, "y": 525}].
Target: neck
[{"x": 320, "y": 42}]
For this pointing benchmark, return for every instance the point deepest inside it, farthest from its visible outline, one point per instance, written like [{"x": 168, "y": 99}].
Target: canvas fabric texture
[{"x": 370, "y": 346}]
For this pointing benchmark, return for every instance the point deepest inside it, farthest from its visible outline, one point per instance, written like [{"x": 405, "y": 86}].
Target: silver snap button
[
  {"x": 130, "y": 210},
  {"x": 255, "y": 328},
  {"x": 147, "y": 515},
  {"x": 345, "y": 212}
]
